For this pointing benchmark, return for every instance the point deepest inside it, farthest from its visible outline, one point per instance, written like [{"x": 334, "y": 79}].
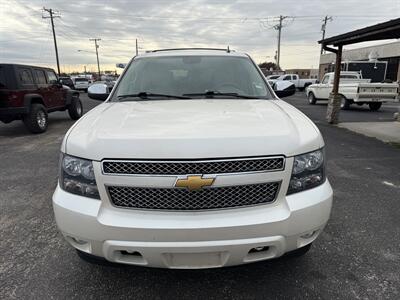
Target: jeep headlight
[
  {"x": 308, "y": 171},
  {"x": 77, "y": 176}
]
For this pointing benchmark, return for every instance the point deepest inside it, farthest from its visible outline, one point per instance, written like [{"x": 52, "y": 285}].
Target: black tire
[
  {"x": 36, "y": 120},
  {"x": 374, "y": 106},
  {"x": 301, "y": 89},
  {"x": 86, "y": 90},
  {"x": 75, "y": 109},
  {"x": 311, "y": 98},
  {"x": 344, "y": 103},
  {"x": 96, "y": 260},
  {"x": 299, "y": 252}
]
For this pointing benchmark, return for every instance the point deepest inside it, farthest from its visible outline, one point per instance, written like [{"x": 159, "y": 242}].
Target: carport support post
[{"x": 332, "y": 113}]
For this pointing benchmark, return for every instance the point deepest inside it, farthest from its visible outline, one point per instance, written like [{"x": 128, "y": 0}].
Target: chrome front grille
[
  {"x": 185, "y": 167},
  {"x": 183, "y": 199}
]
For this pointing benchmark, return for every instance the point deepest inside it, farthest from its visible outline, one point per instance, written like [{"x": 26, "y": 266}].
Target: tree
[{"x": 268, "y": 66}]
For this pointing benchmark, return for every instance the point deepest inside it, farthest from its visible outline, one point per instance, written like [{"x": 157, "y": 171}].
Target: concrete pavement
[{"x": 388, "y": 132}]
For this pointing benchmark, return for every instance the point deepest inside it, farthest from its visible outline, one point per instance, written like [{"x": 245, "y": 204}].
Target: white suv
[{"x": 192, "y": 162}]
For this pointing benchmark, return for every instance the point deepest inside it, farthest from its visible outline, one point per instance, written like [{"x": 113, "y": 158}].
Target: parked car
[
  {"x": 270, "y": 77},
  {"x": 300, "y": 84},
  {"x": 192, "y": 162},
  {"x": 66, "y": 80},
  {"x": 29, "y": 93},
  {"x": 354, "y": 89},
  {"x": 81, "y": 83}
]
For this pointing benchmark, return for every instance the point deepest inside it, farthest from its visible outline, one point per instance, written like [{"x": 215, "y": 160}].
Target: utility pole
[
  {"x": 279, "y": 28},
  {"x": 52, "y": 16},
  {"x": 137, "y": 48},
  {"x": 323, "y": 28},
  {"x": 97, "y": 54}
]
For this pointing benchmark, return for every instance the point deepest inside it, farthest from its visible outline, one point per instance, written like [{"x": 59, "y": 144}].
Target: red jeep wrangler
[{"x": 29, "y": 93}]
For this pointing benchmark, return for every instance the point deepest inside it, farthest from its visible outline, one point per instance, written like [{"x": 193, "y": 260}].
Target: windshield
[{"x": 192, "y": 77}]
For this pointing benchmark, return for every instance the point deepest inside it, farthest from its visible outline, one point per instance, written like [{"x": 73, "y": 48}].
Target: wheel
[
  {"x": 37, "y": 119},
  {"x": 301, "y": 89},
  {"x": 86, "y": 90},
  {"x": 311, "y": 98},
  {"x": 75, "y": 110},
  {"x": 96, "y": 260},
  {"x": 374, "y": 106},
  {"x": 299, "y": 252},
  {"x": 344, "y": 103}
]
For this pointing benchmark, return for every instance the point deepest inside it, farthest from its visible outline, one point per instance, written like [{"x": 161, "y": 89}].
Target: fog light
[
  {"x": 309, "y": 235},
  {"x": 79, "y": 242}
]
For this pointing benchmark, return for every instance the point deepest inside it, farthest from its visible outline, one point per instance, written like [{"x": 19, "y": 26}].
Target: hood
[{"x": 184, "y": 129}]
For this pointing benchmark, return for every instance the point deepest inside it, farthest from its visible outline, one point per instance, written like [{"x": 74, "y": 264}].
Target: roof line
[
  {"x": 179, "y": 49},
  {"x": 362, "y": 34}
]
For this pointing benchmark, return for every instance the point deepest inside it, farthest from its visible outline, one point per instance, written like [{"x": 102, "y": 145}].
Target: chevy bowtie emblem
[{"x": 193, "y": 183}]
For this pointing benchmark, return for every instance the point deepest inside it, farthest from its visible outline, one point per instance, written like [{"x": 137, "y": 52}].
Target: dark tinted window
[
  {"x": 2, "y": 79},
  {"x": 81, "y": 79},
  {"x": 25, "y": 76},
  {"x": 287, "y": 77},
  {"x": 40, "y": 77}
]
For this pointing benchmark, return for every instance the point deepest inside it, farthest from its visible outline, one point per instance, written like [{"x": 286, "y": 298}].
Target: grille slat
[
  {"x": 183, "y": 199},
  {"x": 194, "y": 167}
]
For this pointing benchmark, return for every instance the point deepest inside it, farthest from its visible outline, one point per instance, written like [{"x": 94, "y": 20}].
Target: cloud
[{"x": 244, "y": 25}]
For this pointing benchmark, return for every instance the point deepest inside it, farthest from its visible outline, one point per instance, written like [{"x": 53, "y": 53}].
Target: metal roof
[{"x": 381, "y": 31}]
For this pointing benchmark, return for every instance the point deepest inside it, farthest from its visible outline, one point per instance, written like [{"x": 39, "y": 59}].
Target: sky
[{"x": 247, "y": 26}]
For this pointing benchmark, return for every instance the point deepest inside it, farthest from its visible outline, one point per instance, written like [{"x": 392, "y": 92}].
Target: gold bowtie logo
[{"x": 193, "y": 183}]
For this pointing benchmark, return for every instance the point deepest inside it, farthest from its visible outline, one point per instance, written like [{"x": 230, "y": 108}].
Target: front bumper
[{"x": 201, "y": 239}]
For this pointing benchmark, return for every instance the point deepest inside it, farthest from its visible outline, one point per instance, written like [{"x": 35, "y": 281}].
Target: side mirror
[
  {"x": 98, "y": 91},
  {"x": 316, "y": 81},
  {"x": 284, "y": 88}
]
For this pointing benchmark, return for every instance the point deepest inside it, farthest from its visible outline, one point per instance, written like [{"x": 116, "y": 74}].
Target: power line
[{"x": 53, "y": 15}]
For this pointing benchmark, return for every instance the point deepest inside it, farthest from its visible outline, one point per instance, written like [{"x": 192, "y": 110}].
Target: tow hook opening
[
  {"x": 129, "y": 257},
  {"x": 132, "y": 253},
  {"x": 259, "y": 249},
  {"x": 260, "y": 253}
]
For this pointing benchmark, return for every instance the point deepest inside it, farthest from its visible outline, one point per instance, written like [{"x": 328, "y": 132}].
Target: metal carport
[{"x": 381, "y": 31}]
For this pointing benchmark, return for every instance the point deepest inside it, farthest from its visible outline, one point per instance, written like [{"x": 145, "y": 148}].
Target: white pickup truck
[
  {"x": 301, "y": 84},
  {"x": 354, "y": 89}
]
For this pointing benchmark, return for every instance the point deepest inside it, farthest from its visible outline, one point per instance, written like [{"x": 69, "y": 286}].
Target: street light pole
[{"x": 97, "y": 54}]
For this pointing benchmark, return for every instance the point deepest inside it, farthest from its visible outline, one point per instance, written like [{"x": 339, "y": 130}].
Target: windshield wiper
[
  {"x": 145, "y": 95},
  {"x": 211, "y": 94}
]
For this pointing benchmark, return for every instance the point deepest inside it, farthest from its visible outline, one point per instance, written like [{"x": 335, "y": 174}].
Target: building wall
[{"x": 389, "y": 52}]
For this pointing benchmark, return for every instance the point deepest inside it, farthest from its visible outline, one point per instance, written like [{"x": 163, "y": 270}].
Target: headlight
[
  {"x": 77, "y": 176},
  {"x": 308, "y": 171}
]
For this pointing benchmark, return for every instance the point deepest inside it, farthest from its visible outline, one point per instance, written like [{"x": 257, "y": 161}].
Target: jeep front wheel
[
  {"x": 36, "y": 120},
  {"x": 75, "y": 109}
]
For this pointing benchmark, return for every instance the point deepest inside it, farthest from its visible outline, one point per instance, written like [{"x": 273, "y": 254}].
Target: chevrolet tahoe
[{"x": 192, "y": 161}]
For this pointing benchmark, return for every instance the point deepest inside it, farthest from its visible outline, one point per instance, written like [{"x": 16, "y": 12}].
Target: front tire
[
  {"x": 75, "y": 109},
  {"x": 36, "y": 120},
  {"x": 311, "y": 98},
  {"x": 344, "y": 103},
  {"x": 374, "y": 106}
]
